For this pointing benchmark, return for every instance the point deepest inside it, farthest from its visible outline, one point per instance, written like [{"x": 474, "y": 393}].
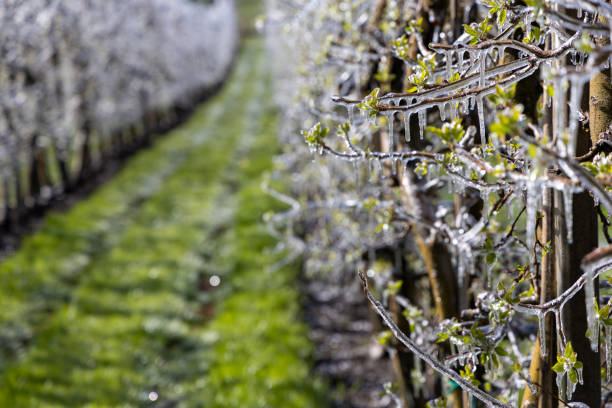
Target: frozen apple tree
[
  {"x": 462, "y": 164},
  {"x": 84, "y": 81}
]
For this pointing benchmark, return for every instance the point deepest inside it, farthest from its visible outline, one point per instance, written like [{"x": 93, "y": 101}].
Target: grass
[
  {"x": 248, "y": 10},
  {"x": 109, "y": 304}
]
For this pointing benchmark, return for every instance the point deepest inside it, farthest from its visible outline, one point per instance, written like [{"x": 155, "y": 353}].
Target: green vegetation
[
  {"x": 248, "y": 10},
  {"x": 111, "y": 304}
]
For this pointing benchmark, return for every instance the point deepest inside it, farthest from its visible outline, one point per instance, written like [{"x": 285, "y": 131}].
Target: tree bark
[{"x": 584, "y": 233}]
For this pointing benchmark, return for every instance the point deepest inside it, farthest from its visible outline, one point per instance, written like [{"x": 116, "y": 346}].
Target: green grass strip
[{"x": 261, "y": 354}]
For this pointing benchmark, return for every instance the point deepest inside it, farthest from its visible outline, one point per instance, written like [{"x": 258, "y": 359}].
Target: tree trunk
[
  {"x": 540, "y": 370},
  {"x": 584, "y": 233}
]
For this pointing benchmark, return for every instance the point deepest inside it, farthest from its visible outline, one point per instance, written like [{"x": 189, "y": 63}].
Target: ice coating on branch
[{"x": 462, "y": 92}]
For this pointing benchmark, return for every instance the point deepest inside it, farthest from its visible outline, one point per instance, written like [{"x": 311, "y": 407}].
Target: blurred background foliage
[{"x": 158, "y": 288}]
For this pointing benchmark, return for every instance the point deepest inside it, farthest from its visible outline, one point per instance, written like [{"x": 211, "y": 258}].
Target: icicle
[
  {"x": 442, "y": 108},
  {"x": 449, "y": 61},
  {"x": 483, "y": 67},
  {"x": 371, "y": 170},
  {"x": 422, "y": 122},
  {"x": 351, "y": 115},
  {"x": 381, "y": 171},
  {"x": 542, "y": 330},
  {"x": 575, "y": 97},
  {"x": 559, "y": 380},
  {"x": 528, "y": 18},
  {"x": 532, "y": 204},
  {"x": 453, "y": 110},
  {"x": 502, "y": 52},
  {"x": 485, "y": 194},
  {"x": 592, "y": 320},
  {"x": 390, "y": 119},
  {"x": 472, "y": 58},
  {"x": 571, "y": 386},
  {"x": 567, "y": 203},
  {"x": 464, "y": 257},
  {"x": 460, "y": 186},
  {"x": 481, "y": 120},
  {"x": 460, "y": 61},
  {"x": 559, "y": 111},
  {"x": 488, "y": 269},
  {"x": 465, "y": 105},
  {"x": 460, "y": 269},
  {"x": 579, "y": 12},
  {"x": 407, "y": 126},
  {"x": 472, "y": 102}
]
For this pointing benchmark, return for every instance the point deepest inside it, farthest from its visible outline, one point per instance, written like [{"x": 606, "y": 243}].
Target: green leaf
[
  {"x": 469, "y": 30},
  {"x": 569, "y": 351},
  {"x": 455, "y": 77},
  {"x": 383, "y": 337},
  {"x": 501, "y": 351},
  {"x": 558, "y": 367},
  {"x": 491, "y": 258},
  {"x": 394, "y": 287},
  {"x": 604, "y": 311},
  {"x": 501, "y": 17}
]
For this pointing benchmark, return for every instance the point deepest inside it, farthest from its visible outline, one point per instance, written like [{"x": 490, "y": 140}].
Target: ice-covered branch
[{"x": 489, "y": 400}]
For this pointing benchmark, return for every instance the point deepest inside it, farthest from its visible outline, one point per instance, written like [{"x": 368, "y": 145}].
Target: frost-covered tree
[
  {"x": 466, "y": 173},
  {"x": 82, "y": 81}
]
